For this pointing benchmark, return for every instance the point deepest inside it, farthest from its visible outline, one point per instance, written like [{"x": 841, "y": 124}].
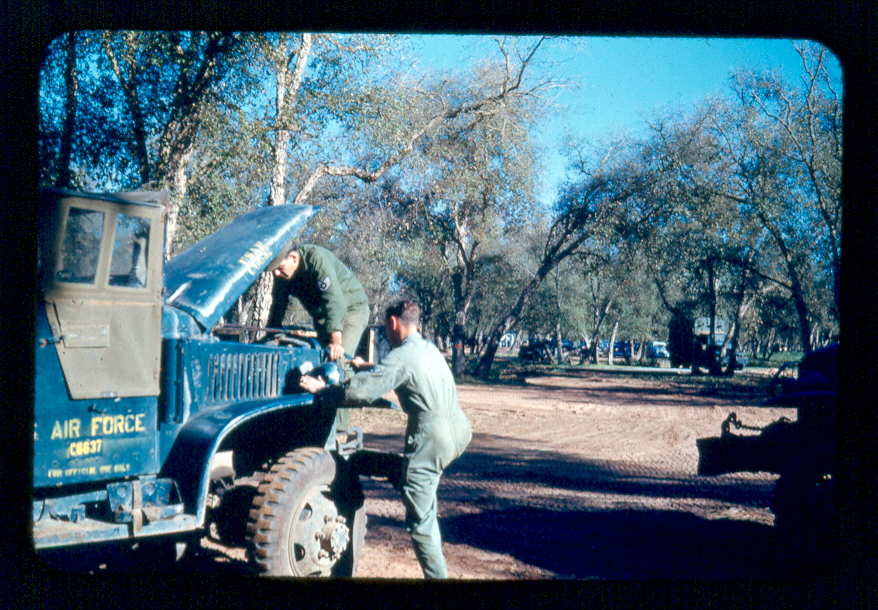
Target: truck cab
[{"x": 136, "y": 397}]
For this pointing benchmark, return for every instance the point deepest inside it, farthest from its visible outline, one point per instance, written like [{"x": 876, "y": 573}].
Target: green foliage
[{"x": 734, "y": 205}]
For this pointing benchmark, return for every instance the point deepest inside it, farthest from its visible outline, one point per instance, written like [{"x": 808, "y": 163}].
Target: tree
[
  {"x": 586, "y": 208},
  {"x": 427, "y": 117},
  {"x": 167, "y": 102}
]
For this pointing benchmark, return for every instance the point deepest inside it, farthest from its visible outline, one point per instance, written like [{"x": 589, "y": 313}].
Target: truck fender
[{"x": 188, "y": 462}]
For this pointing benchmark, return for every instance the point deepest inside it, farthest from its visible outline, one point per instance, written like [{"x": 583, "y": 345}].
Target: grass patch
[{"x": 776, "y": 359}]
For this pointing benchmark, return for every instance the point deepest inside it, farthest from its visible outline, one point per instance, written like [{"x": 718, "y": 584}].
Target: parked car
[
  {"x": 622, "y": 349},
  {"x": 657, "y": 349}
]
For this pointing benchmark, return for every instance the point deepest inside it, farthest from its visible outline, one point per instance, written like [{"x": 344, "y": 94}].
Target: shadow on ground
[
  {"x": 482, "y": 467},
  {"x": 626, "y": 544}
]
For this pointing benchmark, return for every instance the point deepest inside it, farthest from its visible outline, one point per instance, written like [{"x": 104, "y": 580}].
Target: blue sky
[{"x": 620, "y": 82}]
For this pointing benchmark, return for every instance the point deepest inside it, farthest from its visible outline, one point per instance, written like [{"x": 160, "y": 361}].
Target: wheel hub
[
  {"x": 334, "y": 537},
  {"x": 323, "y": 536}
]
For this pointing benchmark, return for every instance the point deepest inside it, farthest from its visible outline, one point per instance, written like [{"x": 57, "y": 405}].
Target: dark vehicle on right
[
  {"x": 800, "y": 451},
  {"x": 817, "y": 371}
]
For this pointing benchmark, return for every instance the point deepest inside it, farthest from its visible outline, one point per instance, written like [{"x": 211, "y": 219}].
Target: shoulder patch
[{"x": 324, "y": 284}]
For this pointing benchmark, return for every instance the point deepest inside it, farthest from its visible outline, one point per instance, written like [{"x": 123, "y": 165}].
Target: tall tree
[
  {"x": 469, "y": 122},
  {"x": 167, "y": 102},
  {"x": 586, "y": 208}
]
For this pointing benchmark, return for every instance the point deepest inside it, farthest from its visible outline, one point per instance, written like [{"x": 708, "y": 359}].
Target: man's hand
[
  {"x": 312, "y": 384},
  {"x": 359, "y": 364},
  {"x": 336, "y": 349}
]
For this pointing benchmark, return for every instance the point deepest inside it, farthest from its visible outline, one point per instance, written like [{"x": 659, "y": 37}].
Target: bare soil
[{"x": 581, "y": 473}]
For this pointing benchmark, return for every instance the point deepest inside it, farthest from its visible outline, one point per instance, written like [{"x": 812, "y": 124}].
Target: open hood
[{"x": 206, "y": 279}]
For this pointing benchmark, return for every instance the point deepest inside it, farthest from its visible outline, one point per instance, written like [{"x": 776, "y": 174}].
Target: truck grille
[{"x": 242, "y": 377}]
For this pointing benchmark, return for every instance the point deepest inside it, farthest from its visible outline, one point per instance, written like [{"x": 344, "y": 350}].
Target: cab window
[
  {"x": 128, "y": 265},
  {"x": 81, "y": 246}
]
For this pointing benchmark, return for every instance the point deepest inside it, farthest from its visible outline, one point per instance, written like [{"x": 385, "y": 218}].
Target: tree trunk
[
  {"x": 65, "y": 173},
  {"x": 600, "y": 316},
  {"x": 133, "y": 102},
  {"x": 559, "y": 350},
  {"x": 178, "y": 185},
  {"x": 612, "y": 343},
  {"x": 287, "y": 91},
  {"x": 458, "y": 339},
  {"x": 713, "y": 365},
  {"x": 508, "y": 322}
]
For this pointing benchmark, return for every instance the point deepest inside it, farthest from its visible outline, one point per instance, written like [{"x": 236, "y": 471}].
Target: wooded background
[{"x": 426, "y": 183}]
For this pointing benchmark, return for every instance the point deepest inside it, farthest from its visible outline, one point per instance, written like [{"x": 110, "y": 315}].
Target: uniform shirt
[
  {"x": 327, "y": 289},
  {"x": 437, "y": 430}
]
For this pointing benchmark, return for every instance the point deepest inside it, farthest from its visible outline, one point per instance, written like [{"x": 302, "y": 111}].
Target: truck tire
[{"x": 295, "y": 527}]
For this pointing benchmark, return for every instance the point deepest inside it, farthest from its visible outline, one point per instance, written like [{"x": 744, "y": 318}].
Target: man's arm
[
  {"x": 368, "y": 386},
  {"x": 333, "y": 304}
]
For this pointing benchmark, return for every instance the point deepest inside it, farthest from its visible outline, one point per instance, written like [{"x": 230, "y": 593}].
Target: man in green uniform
[
  {"x": 330, "y": 293},
  {"x": 437, "y": 431}
]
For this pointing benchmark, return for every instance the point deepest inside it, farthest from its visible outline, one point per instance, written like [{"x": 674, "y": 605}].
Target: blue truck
[{"x": 138, "y": 397}]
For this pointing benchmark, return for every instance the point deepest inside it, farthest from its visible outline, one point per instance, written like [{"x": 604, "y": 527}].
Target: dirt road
[{"x": 581, "y": 474}]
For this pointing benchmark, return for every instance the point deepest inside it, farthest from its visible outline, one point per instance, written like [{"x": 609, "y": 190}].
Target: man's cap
[
  {"x": 276, "y": 261},
  {"x": 280, "y": 257}
]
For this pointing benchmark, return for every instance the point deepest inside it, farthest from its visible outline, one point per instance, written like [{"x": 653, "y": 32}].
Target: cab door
[{"x": 104, "y": 299}]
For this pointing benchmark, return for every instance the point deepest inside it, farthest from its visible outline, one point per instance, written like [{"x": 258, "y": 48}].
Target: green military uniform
[
  {"x": 437, "y": 433},
  {"x": 331, "y": 294}
]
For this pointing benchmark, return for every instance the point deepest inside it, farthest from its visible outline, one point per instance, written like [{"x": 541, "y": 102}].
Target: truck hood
[{"x": 206, "y": 279}]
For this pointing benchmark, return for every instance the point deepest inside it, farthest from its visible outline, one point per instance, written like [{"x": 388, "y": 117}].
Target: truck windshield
[{"x": 81, "y": 246}]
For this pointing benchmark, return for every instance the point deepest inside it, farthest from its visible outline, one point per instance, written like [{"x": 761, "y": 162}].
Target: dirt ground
[{"x": 581, "y": 473}]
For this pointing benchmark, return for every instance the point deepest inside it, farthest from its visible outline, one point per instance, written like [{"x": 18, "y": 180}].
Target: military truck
[
  {"x": 801, "y": 452},
  {"x": 137, "y": 398}
]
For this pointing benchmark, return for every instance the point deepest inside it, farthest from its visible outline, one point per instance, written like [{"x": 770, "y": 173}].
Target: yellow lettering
[
  {"x": 105, "y": 468},
  {"x": 67, "y": 429},
  {"x": 86, "y": 447},
  {"x": 106, "y": 425}
]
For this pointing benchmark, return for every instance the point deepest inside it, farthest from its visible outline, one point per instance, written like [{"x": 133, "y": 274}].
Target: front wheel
[{"x": 295, "y": 527}]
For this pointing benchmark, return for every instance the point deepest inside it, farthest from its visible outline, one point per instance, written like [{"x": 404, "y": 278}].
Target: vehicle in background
[
  {"x": 657, "y": 349},
  {"x": 541, "y": 351},
  {"x": 657, "y": 354},
  {"x": 622, "y": 351}
]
